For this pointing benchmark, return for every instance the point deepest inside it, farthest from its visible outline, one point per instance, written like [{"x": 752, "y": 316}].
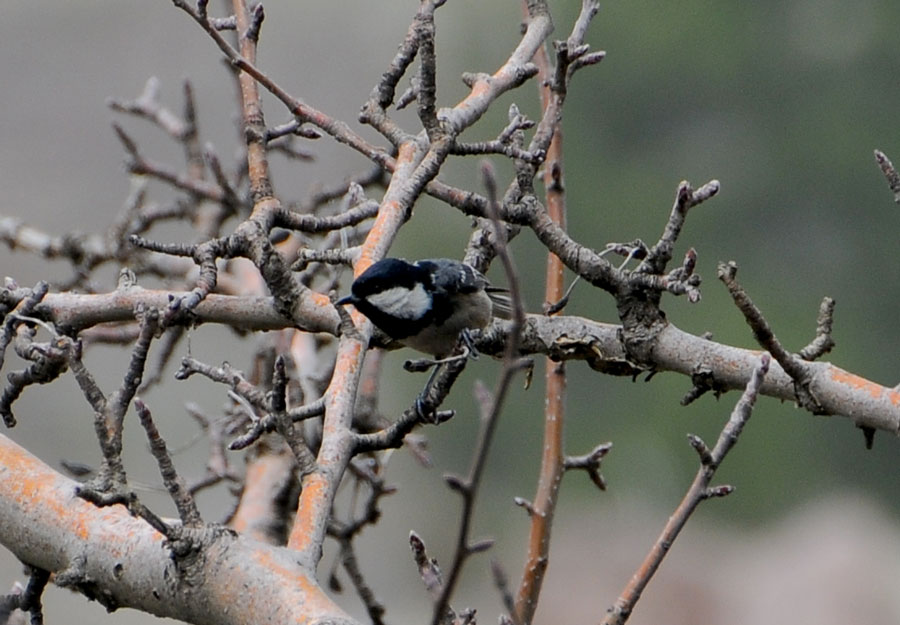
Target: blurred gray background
[{"x": 783, "y": 102}]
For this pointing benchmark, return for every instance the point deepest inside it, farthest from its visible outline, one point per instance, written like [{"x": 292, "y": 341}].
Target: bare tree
[{"x": 307, "y": 414}]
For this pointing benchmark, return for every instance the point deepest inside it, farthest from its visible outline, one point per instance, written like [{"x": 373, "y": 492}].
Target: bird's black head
[
  {"x": 395, "y": 295},
  {"x": 386, "y": 274}
]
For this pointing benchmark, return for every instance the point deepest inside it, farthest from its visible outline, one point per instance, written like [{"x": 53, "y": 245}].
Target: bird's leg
[
  {"x": 420, "y": 399},
  {"x": 469, "y": 349}
]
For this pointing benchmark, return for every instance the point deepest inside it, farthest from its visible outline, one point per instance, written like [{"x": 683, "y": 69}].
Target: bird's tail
[{"x": 501, "y": 301}]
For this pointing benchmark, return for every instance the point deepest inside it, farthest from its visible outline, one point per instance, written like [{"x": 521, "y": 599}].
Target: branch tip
[
  {"x": 702, "y": 449},
  {"x": 890, "y": 173},
  {"x": 524, "y": 504},
  {"x": 718, "y": 491},
  {"x": 457, "y": 483},
  {"x": 480, "y": 546}
]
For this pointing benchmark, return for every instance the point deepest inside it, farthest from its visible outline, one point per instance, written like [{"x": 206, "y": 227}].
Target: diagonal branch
[
  {"x": 126, "y": 558},
  {"x": 699, "y": 491},
  {"x": 762, "y": 332}
]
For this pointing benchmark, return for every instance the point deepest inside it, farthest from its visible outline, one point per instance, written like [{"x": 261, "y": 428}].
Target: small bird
[{"x": 428, "y": 303}]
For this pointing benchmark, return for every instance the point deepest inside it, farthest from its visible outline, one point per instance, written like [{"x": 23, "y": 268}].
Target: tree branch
[
  {"x": 699, "y": 490},
  {"x": 840, "y": 392},
  {"x": 126, "y": 558}
]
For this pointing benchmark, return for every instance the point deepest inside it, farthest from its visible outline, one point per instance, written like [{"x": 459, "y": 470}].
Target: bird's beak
[{"x": 347, "y": 299}]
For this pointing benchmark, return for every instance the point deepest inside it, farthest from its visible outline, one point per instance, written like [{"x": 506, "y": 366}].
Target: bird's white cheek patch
[{"x": 402, "y": 302}]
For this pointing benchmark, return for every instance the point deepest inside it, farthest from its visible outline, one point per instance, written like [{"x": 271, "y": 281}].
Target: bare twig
[
  {"x": 429, "y": 570},
  {"x": 226, "y": 374},
  {"x": 374, "y": 608},
  {"x": 109, "y": 414},
  {"x": 824, "y": 342},
  {"x": 590, "y": 463},
  {"x": 890, "y": 173},
  {"x": 490, "y": 405},
  {"x": 685, "y": 198},
  {"x": 367, "y": 475},
  {"x": 26, "y": 599},
  {"x": 548, "y": 140},
  {"x": 181, "y": 496},
  {"x": 148, "y": 106},
  {"x": 24, "y": 308},
  {"x": 306, "y": 462},
  {"x": 501, "y": 581},
  {"x": 145, "y": 167},
  {"x": 762, "y": 331},
  {"x": 699, "y": 490},
  {"x": 393, "y": 435},
  {"x": 427, "y": 91},
  {"x": 311, "y": 223}
]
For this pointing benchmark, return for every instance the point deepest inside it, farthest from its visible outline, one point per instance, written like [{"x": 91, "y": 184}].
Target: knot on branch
[{"x": 703, "y": 381}]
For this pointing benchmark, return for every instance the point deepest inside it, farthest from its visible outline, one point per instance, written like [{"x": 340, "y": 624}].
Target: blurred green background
[{"x": 782, "y": 102}]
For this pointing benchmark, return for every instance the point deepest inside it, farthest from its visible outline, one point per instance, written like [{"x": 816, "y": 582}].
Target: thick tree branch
[
  {"x": 840, "y": 392},
  {"x": 127, "y": 557}
]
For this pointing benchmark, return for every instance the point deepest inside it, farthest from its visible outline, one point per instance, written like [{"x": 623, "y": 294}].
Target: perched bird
[{"x": 428, "y": 303}]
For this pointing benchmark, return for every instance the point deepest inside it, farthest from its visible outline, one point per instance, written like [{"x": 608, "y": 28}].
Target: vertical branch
[
  {"x": 251, "y": 108},
  {"x": 553, "y": 457},
  {"x": 490, "y": 404},
  {"x": 108, "y": 422},
  {"x": 427, "y": 79},
  {"x": 306, "y": 462}
]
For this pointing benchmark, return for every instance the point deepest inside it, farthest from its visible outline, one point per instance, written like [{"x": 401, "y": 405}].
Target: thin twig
[
  {"x": 548, "y": 141},
  {"x": 699, "y": 490},
  {"x": 306, "y": 461},
  {"x": 890, "y": 173},
  {"x": 796, "y": 368},
  {"x": 491, "y": 406},
  {"x": 824, "y": 341},
  {"x": 178, "y": 490}
]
